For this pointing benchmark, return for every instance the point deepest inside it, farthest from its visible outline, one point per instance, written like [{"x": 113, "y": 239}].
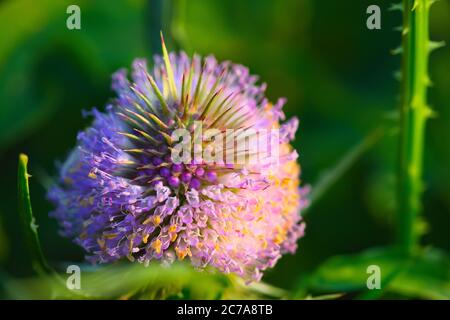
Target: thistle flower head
[{"x": 122, "y": 192}]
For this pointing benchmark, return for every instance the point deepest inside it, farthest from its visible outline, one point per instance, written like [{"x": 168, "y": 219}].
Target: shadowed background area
[{"x": 337, "y": 75}]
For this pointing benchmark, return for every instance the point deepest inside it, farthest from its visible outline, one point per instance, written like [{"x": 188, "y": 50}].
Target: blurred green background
[{"x": 338, "y": 77}]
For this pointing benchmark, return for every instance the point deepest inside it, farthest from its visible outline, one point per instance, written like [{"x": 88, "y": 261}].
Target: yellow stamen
[
  {"x": 156, "y": 220},
  {"x": 157, "y": 245}
]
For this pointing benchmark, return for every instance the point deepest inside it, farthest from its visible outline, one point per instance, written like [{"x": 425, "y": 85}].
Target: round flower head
[{"x": 189, "y": 161}]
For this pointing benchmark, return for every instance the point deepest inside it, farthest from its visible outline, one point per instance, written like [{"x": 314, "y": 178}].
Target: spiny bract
[{"x": 120, "y": 195}]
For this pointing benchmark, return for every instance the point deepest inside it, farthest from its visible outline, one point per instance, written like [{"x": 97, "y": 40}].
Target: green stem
[
  {"x": 414, "y": 113},
  {"x": 178, "y": 25},
  {"x": 168, "y": 16},
  {"x": 29, "y": 226}
]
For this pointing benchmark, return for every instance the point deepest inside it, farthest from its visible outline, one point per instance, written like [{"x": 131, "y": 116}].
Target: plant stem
[
  {"x": 168, "y": 16},
  {"x": 178, "y": 25},
  {"x": 39, "y": 263},
  {"x": 414, "y": 113},
  {"x": 331, "y": 176}
]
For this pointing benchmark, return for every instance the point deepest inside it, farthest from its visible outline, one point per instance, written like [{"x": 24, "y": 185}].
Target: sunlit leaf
[
  {"x": 332, "y": 296},
  {"x": 135, "y": 281}
]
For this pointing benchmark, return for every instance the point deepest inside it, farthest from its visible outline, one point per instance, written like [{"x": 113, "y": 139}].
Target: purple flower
[{"x": 119, "y": 193}]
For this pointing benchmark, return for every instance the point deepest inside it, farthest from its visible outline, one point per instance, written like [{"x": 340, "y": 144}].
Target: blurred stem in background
[
  {"x": 168, "y": 16},
  {"x": 414, "y": 112},
  {"x": 331, "y": 176},
  {"x": 28, "y": 222}
]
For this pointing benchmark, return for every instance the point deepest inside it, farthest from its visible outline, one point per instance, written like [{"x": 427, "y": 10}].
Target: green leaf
[
  {"x": 130, "y": 281},
  {"x": 124, "y": 280},
  {"x": 332, "y": 296},
  {"x": 260, "y": 288},
  {"x": 425, "y": 275},
  {"x": 119, "y": 280},
  {"x": 27, "y": 219}
]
